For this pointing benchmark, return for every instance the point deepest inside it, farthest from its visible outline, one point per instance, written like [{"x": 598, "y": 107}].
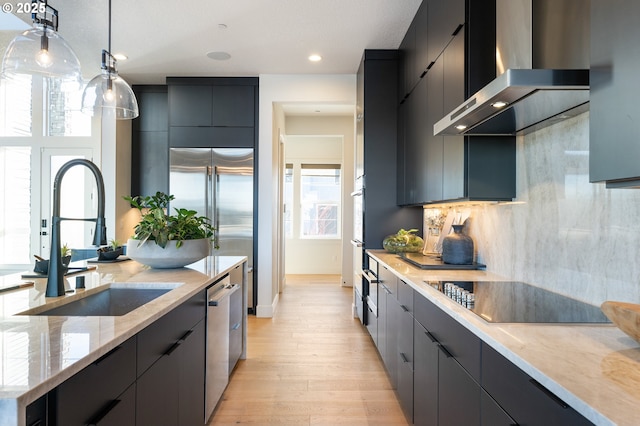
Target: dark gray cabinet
[
  {"x": 212, "y": 112},
  {"x": 491, "y": 414},
  {"x": 150, "y": 141},
  {"x": 404, "y": 357},
  {"x": 448, "y": 371},
  {"x": 444, "y": 19},
  {"x": 614, "y": 113},
  {"x": 444, "y": 374},
  {"x": 101, "y": 389},
  {"x": 156, "y": 377},
  {"x": 460, "y": 44},
  {"x": 191, "y": 377},
  {"x": 523, "y": 398},
  {"x": 425, "y": 377},
  {"x": 458, "y": 393},
  {"x": 171, "y": 363},
  {"x": 387, "y": 328},
  {"x": 376, "y": 131}
]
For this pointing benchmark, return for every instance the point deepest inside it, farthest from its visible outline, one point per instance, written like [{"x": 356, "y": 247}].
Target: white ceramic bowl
[{"x": 153, "y": 255}]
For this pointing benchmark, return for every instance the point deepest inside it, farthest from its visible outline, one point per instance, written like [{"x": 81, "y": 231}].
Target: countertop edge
[
  {"x": 479, "y": 328},
  {"x": 22, "y": 398}
]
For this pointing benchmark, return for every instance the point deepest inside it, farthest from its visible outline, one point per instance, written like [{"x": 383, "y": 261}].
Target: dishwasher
[{"x": 221, "y": 320}]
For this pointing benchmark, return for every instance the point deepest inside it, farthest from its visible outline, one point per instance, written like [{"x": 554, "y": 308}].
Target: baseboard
[{"x": 267, "y": 311}]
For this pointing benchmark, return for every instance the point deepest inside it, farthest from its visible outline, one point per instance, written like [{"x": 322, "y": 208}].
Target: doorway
[
  {"x": 78, "y": 199},
  {"x": 316, "y": 158},
  {"x": 313, "y": 204}
]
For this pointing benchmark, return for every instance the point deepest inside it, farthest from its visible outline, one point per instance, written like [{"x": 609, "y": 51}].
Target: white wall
[
  {"x": 311, "y": 255},
  {"x": 335, "y": 89},
  {"x": 344, "y": 126}
]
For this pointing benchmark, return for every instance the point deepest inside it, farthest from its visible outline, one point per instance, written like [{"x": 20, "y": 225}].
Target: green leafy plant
[
  {"x": 114, "y": 244},
  {"x": 159, "y": 226},
  {"x": 65, "y": 250},
  {"x": 403, "y": 241}
]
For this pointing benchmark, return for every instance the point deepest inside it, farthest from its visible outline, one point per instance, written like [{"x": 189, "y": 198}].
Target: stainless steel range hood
[
  {"x": 532, "y": 99},
  {"x": 542, "y": 51}
]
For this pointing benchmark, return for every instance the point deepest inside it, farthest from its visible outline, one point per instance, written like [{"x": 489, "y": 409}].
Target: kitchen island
[
  {"x": 593, "y": 368},
  {"x": 40, "y": 352}
]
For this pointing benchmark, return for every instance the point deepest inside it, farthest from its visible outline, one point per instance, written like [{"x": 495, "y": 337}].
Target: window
[
  {"x": 15, "y": 106},
  {"x": 288, "y": 200},
  {"x": 15, "y": 205},
  {"x": 320, "y": 190},
  {"x": 64, "y": 115}
]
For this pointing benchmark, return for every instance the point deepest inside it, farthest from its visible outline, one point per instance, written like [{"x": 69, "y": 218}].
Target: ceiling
[{"x": 172, "y": 37}]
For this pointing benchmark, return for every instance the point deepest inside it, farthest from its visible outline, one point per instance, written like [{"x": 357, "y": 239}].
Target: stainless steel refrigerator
[{"x": 218, "y": 183}]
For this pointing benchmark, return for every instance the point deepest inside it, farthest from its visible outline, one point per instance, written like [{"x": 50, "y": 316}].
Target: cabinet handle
[
  {"x": 404, "y": 358},
  {"x": 445, "y": 351},
  {"x": 547, "y": 392},
  {"x": 457, "y": 30},
  {"x": 107, "y": 355},
  {"x": 430, "y": 336},
  {"x": 235, "y": 326},
  {"x": 173, "y": 348},
  {"x": 369, "y": 276},
  {"x": 178, "y": 343},
  {"x": 185, "y": 336},
  {"x": 404, "y": 308},
  {"x": 101, "y": 415}
]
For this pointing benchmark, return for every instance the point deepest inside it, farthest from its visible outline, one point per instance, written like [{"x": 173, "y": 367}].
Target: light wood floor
[{"x": 311, "y": 364}]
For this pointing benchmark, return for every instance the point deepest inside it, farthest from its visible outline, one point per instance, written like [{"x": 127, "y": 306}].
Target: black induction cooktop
[{"x": 518, "y": 302}]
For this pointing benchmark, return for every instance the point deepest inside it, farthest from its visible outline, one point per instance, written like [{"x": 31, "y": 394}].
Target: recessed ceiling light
[
  {"x": 499, "y": 104},
  {"x": 461, "y": 127},
  {"x": 315, "y": 58},
  {"x": 120, "y": 56},
  {"x": 222, "y": 26},
  {"x": 219, "y": 56}
]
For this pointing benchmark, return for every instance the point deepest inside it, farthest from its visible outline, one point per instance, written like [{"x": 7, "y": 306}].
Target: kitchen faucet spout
[{"x": 55, "y": 279}]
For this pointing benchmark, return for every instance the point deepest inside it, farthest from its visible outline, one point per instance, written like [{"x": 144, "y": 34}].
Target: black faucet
[{"x": 55, "y": 280}]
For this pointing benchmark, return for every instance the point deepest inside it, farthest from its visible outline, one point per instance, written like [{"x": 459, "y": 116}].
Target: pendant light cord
[{"x": 109, "y": 44}]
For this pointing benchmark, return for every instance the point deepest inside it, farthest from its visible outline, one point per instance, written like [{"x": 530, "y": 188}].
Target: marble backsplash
[{"x": 562, "y": 232}]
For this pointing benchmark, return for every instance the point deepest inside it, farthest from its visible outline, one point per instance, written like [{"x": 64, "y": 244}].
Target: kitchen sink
[{"x": 112, "y": 301}]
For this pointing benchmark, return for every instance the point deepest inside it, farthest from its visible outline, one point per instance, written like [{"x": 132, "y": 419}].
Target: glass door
[{"x": 78, "y": 199}]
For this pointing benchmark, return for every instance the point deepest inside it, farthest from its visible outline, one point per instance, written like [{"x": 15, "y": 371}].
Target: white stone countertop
[
  {"x": 37, "y": 353},
  {"x": 595, "y": 368}
]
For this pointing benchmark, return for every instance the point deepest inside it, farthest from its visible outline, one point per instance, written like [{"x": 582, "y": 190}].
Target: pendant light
[
  {"x": 108, "y": 92},
  {"x": 41, "y": 50}
]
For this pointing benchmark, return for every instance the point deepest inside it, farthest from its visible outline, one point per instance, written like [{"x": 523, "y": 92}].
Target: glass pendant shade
[
  {"x": 110, "y": 93},
  {"x": 41, "y": 51}
]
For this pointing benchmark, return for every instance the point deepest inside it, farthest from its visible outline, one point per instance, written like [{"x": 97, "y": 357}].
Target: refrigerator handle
[{"x": 215, "y": 216}]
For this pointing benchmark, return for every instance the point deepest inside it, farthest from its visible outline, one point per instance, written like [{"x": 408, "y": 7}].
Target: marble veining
[
  {"x": 562, "y": 232},
  {"x": 593, "y": 368},
  {"x": 37, "y": 353}
]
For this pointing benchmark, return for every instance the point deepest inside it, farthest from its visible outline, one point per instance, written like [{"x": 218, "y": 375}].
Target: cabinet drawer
[
  {"x": 155, "y": 340},
  {"x": 405, "y": 296},
  {"x": 491, "y": 414},
  {"x": 524, "y": 399},
  {"x": 388, "y": 281},
  {"x": 88, "y": 393},
  {"x": 462, "y": 344}
]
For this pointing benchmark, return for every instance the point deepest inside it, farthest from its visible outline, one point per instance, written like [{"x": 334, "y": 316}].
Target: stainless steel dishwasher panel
[
  {"x": 217, "y": 373},
  {"x": 236, "y": 346}
]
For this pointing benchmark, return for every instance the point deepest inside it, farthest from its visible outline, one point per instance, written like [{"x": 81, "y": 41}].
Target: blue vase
[{"x": 457, "y": 248}]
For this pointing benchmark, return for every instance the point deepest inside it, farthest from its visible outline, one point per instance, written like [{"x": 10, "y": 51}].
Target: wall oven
[{"x": 370, "y": 284}]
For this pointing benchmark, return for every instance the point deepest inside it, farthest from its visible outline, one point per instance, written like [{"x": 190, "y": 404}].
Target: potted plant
[
  {"x": 403, "y": 242},
  {"x": 110, "y": 252},
  {"x": 42, "y": 265},
  {"x": 162, "y": 240}
]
